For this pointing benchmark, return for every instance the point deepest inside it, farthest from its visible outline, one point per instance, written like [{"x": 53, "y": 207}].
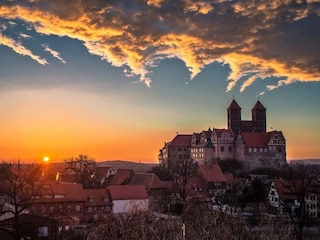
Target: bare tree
[
  {"x": 84, "y": 167},
  {"x": 19, "y": 184},
  {"x": 300, "y": 181},
  {"x": 183, "y": 173}
]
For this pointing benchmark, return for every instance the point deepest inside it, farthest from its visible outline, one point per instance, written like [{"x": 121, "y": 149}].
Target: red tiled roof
[
  {"x": 234, "y": 105},
  {"x": 289, "y": 190},
  {"x": 98, "y": 195},
  {"x": 181, "y": 140},
  {"x": 256, "y": 139},
  {"x": 212, "y": 173},
  {"x": 71, "y": 192},
  {"x": 121, "y": 177},
  {"x": 259, "y": 106},
  {"x": 101, "y": 172},
  {"x": 229, "y": 177},
  {"x": 149, "y": 180},
  {"x": 127, "y": 192},
  {"x": 259, "y": 139}
]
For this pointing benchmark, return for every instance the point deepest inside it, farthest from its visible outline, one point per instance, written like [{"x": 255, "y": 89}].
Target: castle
[{"x": 244, "y": 140}]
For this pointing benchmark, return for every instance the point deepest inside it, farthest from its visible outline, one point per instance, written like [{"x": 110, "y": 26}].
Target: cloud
[
  {"x": 25, "y": 35},
  {"x": 20, "y": 49},
  {"x": 53, "y": 53},
  {"x": 257, "y": 40}
]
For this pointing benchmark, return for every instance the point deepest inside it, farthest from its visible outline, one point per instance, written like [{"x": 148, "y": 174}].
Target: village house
[
  {"x": 98, "y": 205},
  {"x": 156, "y": 189},
  {"x": 287, "y": 196},
  {"x": 128, "y": 198},
  {"x": 64, "y": 202}
]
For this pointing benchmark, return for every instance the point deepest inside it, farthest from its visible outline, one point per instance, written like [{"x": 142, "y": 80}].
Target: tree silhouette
[
  {"x": 84, "y": 167},
  {"x": 19, "y": 185}
]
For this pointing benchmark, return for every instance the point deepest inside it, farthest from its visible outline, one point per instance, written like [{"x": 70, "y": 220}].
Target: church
[{"x": 243, "y": 140}]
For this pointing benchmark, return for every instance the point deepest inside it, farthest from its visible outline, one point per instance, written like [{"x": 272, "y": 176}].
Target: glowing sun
[{"x": 46, "y": 159}]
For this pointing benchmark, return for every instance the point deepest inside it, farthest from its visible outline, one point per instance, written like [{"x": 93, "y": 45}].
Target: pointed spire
[
  {"x": 258, "y": 106},
  {"x": 234, "y": 105}
]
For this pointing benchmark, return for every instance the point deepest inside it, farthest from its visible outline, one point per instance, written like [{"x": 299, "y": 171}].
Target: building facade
[{"x": 244, "y": 140}]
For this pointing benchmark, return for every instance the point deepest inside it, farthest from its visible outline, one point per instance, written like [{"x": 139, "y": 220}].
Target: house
[
  {"x": 64, "y": 202},
  {"x": 214, "y": 180},
  {"x": 289, "y": 195},
  {"x": 177, "y": 149},
  {"x": 127, "y": 198},
  {"x": 103, "y": 176},
  {"x": 155, "y": 188},
  {"x": 122, "y": 177},
  {"x": 31, "y": 227},
  {"x": 230, "y": 180},
  {"x": 98, "y": 205}
]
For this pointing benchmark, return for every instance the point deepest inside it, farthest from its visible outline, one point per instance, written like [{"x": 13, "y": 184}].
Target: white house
[{"x": 127, "y": 198}]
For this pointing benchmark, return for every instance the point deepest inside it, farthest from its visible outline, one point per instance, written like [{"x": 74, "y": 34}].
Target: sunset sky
[{"x": 116, "y": 79}]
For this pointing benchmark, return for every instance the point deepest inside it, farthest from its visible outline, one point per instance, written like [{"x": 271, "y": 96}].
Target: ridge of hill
[{"x": 138, "y": 167}]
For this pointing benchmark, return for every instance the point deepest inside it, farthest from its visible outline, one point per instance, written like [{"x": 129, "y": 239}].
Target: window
[
  {"x": 78, "y": 208},
  {"x": 43, "y": 232},
  {"x": 43, "y": 209},
  {"x": 222, "y": 149},
  {"x": 89, "y": 209},
  {"x": 230, "y": 149}
]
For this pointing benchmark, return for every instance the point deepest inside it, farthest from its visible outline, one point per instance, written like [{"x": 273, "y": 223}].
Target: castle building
[{"x": 244, "y": 140}]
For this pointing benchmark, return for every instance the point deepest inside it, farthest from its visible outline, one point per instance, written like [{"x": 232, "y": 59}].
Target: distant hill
[
  {"x": 137, "y": 167},
  {"x": 306, "y": 161}
]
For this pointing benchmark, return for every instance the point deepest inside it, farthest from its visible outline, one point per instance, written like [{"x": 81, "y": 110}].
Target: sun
[{"x": 46, "y": 159}]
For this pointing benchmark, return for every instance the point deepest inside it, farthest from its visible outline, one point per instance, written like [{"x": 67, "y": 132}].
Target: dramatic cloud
[
  {"x": 256, "y": 39},
  {"x": 18, "y": 48}
]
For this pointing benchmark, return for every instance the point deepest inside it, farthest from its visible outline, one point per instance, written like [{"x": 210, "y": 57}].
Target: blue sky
[{"x": 116, "y": 79}]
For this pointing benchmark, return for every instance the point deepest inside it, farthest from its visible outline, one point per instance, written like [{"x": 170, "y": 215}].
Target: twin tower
[{"x": 257, "y": 124}]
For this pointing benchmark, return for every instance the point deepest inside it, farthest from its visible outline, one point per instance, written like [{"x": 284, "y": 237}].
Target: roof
[
  {"x": 258, "y": 139},
  {"x": 229, "y": 177},
  {"x": 258, "y": 106},
  {"x": 255, "y": 139},
  {"x": 101, "y": 172},
  {"x": 212, "y": 173},
  {"x": 99, "y": 197},
  {"x": 181, "y": 140},
  {"x": 289, "y": 190},
  {"x": 127, "y": 192},
  {"x": 204, "y": 145},
  {"x": 208, "y": 133},
  {"x": 223, "y": 130},
  {"x": 149, "y": 180},
  {"x": 122, "y": 176},
  {"x": 234, "y": 105},
  {"x": 72, "y": 192}
]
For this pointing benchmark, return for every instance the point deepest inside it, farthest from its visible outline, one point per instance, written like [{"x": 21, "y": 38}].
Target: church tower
[
  {"x": 259, "y": 119},
  {"x": 234, "y": 117}
]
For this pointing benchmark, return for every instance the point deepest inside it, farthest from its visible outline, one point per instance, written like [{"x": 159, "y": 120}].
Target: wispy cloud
[
  {"x": 53, "y": 53},
  {"x": 256, "y": 39},
  {"x": 25, "y": 35},
  {"x": 20, "y": 49}
]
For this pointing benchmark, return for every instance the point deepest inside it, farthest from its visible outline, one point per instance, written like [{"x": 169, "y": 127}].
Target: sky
[{"x": 116, "y": 79}]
